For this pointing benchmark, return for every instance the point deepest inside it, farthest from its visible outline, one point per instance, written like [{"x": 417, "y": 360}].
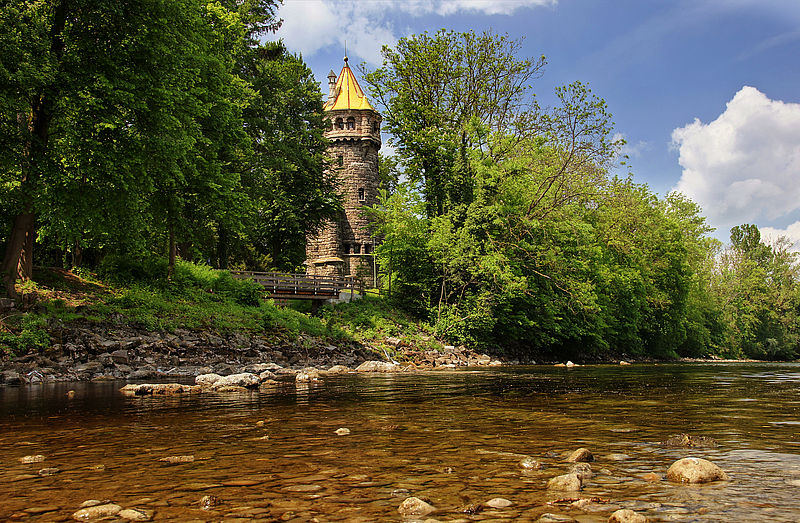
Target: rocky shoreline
[{"x": 93, "y": 353}]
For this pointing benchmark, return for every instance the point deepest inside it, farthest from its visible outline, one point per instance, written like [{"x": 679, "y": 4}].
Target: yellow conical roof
[{"x": 348, "y": 94}]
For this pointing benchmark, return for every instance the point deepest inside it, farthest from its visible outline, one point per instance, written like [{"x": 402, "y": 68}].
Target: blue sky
[{"x": 706, "y": 92}]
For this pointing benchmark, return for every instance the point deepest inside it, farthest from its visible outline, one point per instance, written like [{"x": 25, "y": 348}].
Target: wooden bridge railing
[{"x": 302, "y": 286}]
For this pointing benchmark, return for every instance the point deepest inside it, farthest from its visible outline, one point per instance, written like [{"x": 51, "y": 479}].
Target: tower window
[
  {"x": 340, "y": 160},
  {"x": 356, "y": 248},
  {"x": 351, "y": 122},
  {"x": 367, "y": 248},
  {"x": 339, "y": 123},
  {"x": 361, "y": 196},
  {"x": 375, "y": 127},
  {"x": 347, "y": 248}
]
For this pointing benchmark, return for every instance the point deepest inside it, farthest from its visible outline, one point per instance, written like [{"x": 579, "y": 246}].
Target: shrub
[{"x": 32, "y": 335}]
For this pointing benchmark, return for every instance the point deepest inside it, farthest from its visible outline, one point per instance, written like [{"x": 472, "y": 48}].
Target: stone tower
[{"x": 345, "y": 247}]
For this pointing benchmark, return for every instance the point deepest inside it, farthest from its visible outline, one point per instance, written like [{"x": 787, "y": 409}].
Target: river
[{"x": 453, "y": 438}]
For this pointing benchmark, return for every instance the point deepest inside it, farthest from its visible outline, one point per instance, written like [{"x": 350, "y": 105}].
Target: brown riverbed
[{"x": 454, "y": 438}]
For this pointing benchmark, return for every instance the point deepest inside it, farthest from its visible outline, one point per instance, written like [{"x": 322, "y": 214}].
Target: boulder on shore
[
  {"x": 244, "y": 379},
  {"x": 378, "y": 366},
  {"x": 207, "y": 380},
  {"x": 156, "y": 389},
  {"x": 695, "y": 470}
]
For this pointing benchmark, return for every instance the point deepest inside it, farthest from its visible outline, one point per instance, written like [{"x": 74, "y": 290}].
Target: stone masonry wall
[{"x": 355, "y": 155}]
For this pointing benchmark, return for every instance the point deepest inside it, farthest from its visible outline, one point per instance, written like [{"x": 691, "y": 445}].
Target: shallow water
[{"x": 453, "y": 438}]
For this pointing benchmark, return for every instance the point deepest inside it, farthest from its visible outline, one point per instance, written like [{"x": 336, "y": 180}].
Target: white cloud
[
  {"x": 311, "y": 25},
  {"x": 631, "y": 150},
  {"x": 745, "y": 165},
  {"x": 792, "y": 232},
  {"x": 366, "y": 25}
]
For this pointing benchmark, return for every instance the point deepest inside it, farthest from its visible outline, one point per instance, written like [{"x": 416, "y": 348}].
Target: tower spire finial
[{"x": 345, "y": 51}]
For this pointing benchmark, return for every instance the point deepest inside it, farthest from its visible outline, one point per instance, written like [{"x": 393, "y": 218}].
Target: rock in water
[
  {"x": 245, "y": 379},
  {"x": 582, "y": 470},
  {"x": 38, "y": 458},
  {"x": 96, "y": 512},
  {"x": 178, "y": 459},
  {"x": 566, "y": 482},
  {"x": 626, "y": 515},
  {"x": 499, "y": 503},
  {"x": 695, "y": 470},
  {"x": 378, "y": 366},
  {"x": 207, "y": 380},
  {"x": 581, "y": 455},
  {"x": 133, "y": 514},
  {"x": 689, "y": 441},
  {"x": 342, "y": 431},
  {"x": 530, "y": 464},
  {"x": 209, "y": 502},
  {"x": 415, "y": 507},
  {"x": 338, "y": 369},
  {"x": 554, "y": 518},
  {"x": 308, "y": 374}
]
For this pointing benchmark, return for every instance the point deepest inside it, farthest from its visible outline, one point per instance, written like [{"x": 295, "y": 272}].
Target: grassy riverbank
[{"x": 197, "y": 298}]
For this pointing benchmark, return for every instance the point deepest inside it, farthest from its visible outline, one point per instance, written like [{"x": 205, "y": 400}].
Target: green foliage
[
  {"x": 374, "y": 319},
  {"x": 30, "y": 334},
  {"x": 434, "y": 89},
  {"x": 758, "y": 288},
  {"x": 189, "y": 279}
]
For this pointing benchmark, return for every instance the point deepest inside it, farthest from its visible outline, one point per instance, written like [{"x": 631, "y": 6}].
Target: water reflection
[{"x": 454, "y": 438}]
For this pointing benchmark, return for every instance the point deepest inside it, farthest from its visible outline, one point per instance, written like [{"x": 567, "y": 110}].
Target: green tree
[
  {"x": 122, "y": 120},
  {"x": 289, "y": 190},
  {"x": 757, "y": 287},
  {"x": 433, "y": 88}
]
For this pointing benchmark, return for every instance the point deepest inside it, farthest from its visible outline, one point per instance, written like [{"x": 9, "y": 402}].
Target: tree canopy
[{"x": 139, "y": 126}]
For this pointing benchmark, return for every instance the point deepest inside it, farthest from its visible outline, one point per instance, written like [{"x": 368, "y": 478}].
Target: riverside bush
[{"x": 31, "y": 335}]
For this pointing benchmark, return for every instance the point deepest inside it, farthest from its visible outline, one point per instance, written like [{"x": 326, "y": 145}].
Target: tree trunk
[
  {"x": 222, "y": 247},
  {"x": 77, "y": 255},
  {"x": 172, "y": 252},
  {"x": 14, "y": 264},
  {"x": 18, "y": 257}
]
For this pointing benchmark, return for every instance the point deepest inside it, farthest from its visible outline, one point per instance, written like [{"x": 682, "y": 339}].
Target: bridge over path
[{"x": 295, "y": 286}]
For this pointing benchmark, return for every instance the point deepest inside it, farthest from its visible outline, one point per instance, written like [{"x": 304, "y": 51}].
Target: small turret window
[
  {"x": 339, "y": 123},
  {"x": 351, "y": 123},
  {"x": 347, "y": 248},
  {"x": 361, "y": 196},
  {"x": 367, "y": 248},
  {"x": 356, "y": 248},
  {"x": 340, "y": 160},
  {"x": 375, "y": 127}
]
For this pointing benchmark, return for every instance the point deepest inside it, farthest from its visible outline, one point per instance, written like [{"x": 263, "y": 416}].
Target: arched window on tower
[
  {"x": 375, "y": 127},
  {"x": 361, "y": 196},
  {"x": 339, "y": 123},
  {"x": 351, "y": 122}
]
